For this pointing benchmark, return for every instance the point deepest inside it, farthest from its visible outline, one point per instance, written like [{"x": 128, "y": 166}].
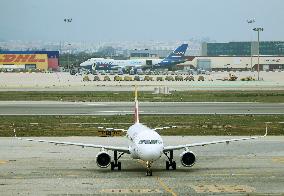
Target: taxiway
[{"x": 244, "y": 168}]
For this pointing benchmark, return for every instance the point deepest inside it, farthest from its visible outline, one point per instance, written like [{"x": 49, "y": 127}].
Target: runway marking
[
  {"x": 3, "y": 162},
  {"x": 72, "y": 175},
  {"x": 94, "y": 104},
  {"x": 168, "y": 189},
  {"x": 127, "y": 191},
  {"x": 278, "y": 159},
  {"x": 162, "y": 184},
  {"x": 227, "y": 174},
  {"x": 117, "y": 111},
  {"x": 219, "y": 188}
]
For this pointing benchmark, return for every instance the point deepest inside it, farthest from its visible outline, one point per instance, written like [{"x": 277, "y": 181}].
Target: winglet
[{"x": 136, "y": 110}]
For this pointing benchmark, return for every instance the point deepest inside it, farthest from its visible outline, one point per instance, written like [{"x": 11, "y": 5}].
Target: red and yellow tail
[{"x": 136, "y": 110}]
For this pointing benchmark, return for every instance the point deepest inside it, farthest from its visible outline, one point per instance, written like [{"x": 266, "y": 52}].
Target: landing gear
[
  {"x": 115, "y": 164},
  {"x": 170, "y": 164},
  {"x": 149, "y": 171}
]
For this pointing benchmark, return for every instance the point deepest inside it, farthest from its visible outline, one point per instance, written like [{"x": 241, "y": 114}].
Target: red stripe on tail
[{"x": 136, "y": 112}]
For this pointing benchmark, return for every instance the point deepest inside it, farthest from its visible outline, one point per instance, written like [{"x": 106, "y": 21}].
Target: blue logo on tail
[{"x": 175, "y": 57}]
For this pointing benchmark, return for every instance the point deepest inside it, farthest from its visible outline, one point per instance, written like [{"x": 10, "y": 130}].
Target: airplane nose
[{"x": 150, "y": 154}]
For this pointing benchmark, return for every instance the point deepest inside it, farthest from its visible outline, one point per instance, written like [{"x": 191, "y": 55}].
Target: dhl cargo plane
[{"x": 144, "y": 144}]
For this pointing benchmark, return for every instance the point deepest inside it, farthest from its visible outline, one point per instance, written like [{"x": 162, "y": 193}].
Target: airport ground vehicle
[
  {"x": 248, "y": 78},
  {"x": 86, "y": 78},
  {"x": 97, "y": 78},
  {"x": 148, "y": 78},
  {"x": 189, "y": 78},
  {"x": 169, "y": 78},
  {"x": 106, "y": 78},
  {"x": 138, "y": 78},
  {"x": 73, "y": 71},
  {"x": 110, "y": 133},
  {"x": 118, "y": 78},
  {"x": 160, "y": 79},
  {"x": 178, "y": 78},
  {"x": 231, "y": 77},
  {"x": 200, "y": 78},
  {"x": 128, "y": 78}
]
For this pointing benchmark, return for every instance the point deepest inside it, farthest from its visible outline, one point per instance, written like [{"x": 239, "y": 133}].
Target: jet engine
[
  {"x": 187, "y": 158},
  {"x": 103, "y": 159}
]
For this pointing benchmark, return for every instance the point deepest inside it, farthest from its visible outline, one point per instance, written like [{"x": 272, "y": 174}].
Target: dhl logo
[{"x": 24, "y": 58}]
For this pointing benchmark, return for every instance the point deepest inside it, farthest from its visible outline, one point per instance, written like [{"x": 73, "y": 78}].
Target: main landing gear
[
  {"x": 115, "y": 164},
  {"x": 149, "y": 171},
  {"x": 170, "y": 163}
]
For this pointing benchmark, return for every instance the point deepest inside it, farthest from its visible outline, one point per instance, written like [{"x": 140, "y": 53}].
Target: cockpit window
[{"x": 150, "y": 142}]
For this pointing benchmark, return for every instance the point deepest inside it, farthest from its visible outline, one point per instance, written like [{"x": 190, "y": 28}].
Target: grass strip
[
  {"x": 176, "y": 96},
  {"x": 187, "y": 124}
]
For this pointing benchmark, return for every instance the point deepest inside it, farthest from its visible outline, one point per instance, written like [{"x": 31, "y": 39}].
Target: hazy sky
[{"x": 129, "y": 20}]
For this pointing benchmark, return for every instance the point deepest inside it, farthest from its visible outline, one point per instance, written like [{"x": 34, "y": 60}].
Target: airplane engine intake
[
  {"x": 103, "y": 159},
  {"x": 187, "y": 159}
]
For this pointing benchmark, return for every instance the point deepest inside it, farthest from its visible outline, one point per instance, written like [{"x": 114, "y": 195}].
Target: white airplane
[
  {"x": 144, "y": 144},
  {"x": 175, "y": 57}
]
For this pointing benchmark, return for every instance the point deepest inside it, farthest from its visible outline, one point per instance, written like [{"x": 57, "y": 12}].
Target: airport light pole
[
  {"x": 251, "y": 21},
  {"x": 258, "y": 29},
  {"x": 68, "y": 59},
  {"x": 68, "y": 20}
]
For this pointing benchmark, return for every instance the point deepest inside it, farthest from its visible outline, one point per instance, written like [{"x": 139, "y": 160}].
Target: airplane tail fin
[
  {"x": 175, "y": 57},
  {"x": 178, "y": 53},
  {"x": 136, "y": 110}
]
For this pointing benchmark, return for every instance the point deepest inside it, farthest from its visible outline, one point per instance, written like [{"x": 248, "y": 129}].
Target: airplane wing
[
  {"x": 178, "y": 147},
  {"x": 112, "y": 129},
  {"x": 161, "y": 128},
  {"x": 83, "y": 145},
  {"x": 126, "y": 66}
]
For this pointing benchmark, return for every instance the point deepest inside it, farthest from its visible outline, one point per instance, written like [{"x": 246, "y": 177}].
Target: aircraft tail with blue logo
[{"x": 175, "y": 57}]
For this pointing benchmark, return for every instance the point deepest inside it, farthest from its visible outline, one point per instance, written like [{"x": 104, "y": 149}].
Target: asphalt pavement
[
  {"x": 244, "y": 168},
  {"x": 112, "y": 108}
]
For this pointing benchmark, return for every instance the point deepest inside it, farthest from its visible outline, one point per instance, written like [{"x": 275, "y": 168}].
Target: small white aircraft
[{"x": 145, "y": 144}]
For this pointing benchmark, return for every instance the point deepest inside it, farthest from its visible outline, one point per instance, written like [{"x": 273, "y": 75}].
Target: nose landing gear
[{"x": 149, "y": 171}]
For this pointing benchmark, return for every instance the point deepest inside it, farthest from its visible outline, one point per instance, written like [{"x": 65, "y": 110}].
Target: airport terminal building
[
  {"x": 29, "y": 60},
  {"x": 274, "y": 48},
  {"x": 239, "y": 56}
]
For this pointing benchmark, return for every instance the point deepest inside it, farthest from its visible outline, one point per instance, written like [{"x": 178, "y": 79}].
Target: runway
[
  {"x": 112, "y": 108},
  {"x": 245, "y": 168}
]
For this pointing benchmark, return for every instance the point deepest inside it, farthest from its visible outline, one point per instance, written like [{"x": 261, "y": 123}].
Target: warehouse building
[
  {"x": 274, "y": 48},
  {"x": 231, "y": 63},
  {"x": 29, "y": 60}
]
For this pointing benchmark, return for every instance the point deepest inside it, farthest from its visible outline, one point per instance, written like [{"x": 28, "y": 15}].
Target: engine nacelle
[
  {"x": 187, "y": 159},
  {"x": 103, "y": 159}
]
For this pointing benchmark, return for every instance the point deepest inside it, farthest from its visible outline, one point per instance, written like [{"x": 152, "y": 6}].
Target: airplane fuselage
[
  {"x": 144, "y": 143},
  {"x": 109, "y": 64}
]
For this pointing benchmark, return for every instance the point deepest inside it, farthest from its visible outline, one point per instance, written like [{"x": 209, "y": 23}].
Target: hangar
[
  {"x": 29, "y": 60},
  {"x": 231, "y": 63}
]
